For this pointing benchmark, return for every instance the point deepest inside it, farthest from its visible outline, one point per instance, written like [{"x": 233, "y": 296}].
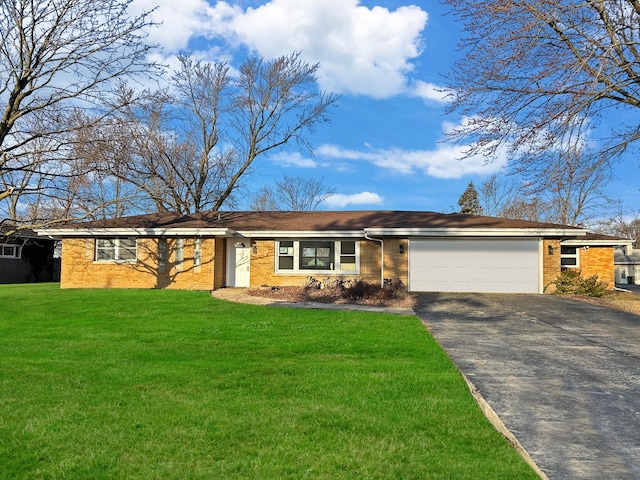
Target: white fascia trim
[
  {"x": 135, "y": 232},
  {"x": 299, "y": 234},
  {"x": 601, "y": 243},
  {"x": 476, "y": 232}
]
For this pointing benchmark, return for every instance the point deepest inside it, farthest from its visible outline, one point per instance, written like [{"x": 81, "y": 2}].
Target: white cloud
[
  {"x": 364, "y": 198},
  {"x": 445, "y": 161},
  {"x": 184, "y": 20},
  {"x": 293, "y": 159},
  {"x": 429, "y": 92},
  {"x": 361, "y": 50}
]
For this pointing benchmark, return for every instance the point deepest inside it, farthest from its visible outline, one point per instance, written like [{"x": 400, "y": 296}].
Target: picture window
[{"x": 317, "y": 255}]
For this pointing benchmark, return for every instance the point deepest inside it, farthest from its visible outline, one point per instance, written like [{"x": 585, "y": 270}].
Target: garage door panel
[{"x": 479, "y": 265}]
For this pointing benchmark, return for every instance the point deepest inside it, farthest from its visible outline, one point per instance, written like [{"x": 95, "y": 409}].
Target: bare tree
[
  {"x": 570, "y": 182},
  {"x": 557, "y": 187},
  {"x": 494, "y": 193},
  {"x": 56, "y": 57},
  {"x": 539, "y": 73},
  {"x": 624, "y": 223},
  {"x": 195, "y": 142},
  {"x": 296, "y": 194},
  {"x": 175, "y": 152}
]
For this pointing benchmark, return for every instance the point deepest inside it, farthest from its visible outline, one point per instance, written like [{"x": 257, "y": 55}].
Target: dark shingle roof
[
  {"x": 316, "y": 221},
  {"x": 620, "y": 256}
]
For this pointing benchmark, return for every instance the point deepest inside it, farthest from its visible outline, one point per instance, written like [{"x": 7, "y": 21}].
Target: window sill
[
  {"x": 114, "y": 262},
  {"x": 326, "y": 273}
]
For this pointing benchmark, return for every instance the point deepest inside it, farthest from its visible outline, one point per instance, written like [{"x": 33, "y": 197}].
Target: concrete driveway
[{"x": 563, "y": 375}]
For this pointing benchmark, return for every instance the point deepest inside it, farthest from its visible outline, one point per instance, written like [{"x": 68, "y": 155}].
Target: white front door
[{"x": 242, "y": 266}]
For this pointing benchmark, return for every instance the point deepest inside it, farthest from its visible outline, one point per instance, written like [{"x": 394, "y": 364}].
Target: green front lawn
[{"x": 178, "y": 385}]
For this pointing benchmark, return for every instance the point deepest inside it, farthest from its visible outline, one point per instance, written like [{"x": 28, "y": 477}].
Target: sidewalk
[{"x": 241, "y": 295}]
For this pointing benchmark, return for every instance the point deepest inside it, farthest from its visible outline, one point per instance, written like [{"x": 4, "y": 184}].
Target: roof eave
[
  {"x": 135, "y": 232},
  {"x": 299, "y": 233},
  {"x": 598, "y": 243},
  {"x": 476, "y": 232}
]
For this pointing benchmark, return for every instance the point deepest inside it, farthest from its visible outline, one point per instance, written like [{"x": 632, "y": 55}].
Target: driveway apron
[{"x": 562, "y": 375}]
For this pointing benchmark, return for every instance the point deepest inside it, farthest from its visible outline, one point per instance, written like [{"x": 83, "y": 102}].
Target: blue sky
[{"x": 385, "y": 147}]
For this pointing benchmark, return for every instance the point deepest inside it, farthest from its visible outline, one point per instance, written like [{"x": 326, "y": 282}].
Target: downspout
[{"x": 381, "y": 241}]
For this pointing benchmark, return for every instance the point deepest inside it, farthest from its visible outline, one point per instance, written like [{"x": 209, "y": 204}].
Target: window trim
[
  {"x": 197, "y": 254},
  {"x": 294, "y": 251},
  {"x": 17, "y": 251},
  {"x": 162, "y": 255},
  {"x": 116, "y": 250},
  {"x": 575, "y": 255},
  {"x": 179, "y": 254}
]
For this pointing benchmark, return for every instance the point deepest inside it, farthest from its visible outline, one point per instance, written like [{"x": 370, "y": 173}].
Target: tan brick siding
[
  {"x": 593, "y": 261},
  {"x": 396, "y": 265},
  {"x": 79, "y": 270},
  {"x": 598, "y": 261},
  {"x": 550, "y": 265}
]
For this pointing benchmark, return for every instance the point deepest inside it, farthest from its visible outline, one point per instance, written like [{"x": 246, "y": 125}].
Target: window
[
  {"x": 569, "y": 257},
  {"x": 197, "y": 252},
  {"x": 347, "y": 255},
  {"x": 179, "y": 253},
  {"x": 285, "y": 256},
  {"x": 162, "y": 255},
  {"x": 317, "y": 255},
  {"x": 115, "y": 249},
  {"x": 10, "y": 251}
]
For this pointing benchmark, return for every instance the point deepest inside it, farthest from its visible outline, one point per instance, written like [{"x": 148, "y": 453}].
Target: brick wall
[
  {"x": 550, "y": 265},
  {"x": 263, "y": 265},
  {"x": 598, "y": 261},
  {"x": 593, "y": 261},
  {"x": 79, "y": 270},
  {"x": 396, "y": 264}
]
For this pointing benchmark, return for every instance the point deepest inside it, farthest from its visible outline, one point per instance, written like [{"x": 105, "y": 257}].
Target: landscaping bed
[{"x": 393, "y": 294}]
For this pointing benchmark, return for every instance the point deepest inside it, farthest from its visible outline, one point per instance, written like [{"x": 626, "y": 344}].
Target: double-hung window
[
  {"x": 10, "y": 251},
  {"x": 162, "y": 255},
  {"x": 115, "y": 249},
  {"x": 305, "y": 256},
  {"x": 179, "y": 253},
  {"x": 197, "y": 253}
]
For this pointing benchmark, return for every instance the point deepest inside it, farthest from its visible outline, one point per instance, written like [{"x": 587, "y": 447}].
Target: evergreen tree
[{"x": 469, "y": 201}]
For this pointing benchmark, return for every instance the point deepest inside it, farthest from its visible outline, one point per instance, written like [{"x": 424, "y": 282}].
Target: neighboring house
[
  {"x": 627, "y": 266},
  {"x": 427, "y": 251},
  {"x": 26, "y": 257}
]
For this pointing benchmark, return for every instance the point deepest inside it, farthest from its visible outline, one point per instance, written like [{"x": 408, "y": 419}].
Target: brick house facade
[{"x": 252, "y": 249}]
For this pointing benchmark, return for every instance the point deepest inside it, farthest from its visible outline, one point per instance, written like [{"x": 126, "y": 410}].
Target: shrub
[
  {"x": 572, "y": 281},
  {"x": 358, "y": 290}
]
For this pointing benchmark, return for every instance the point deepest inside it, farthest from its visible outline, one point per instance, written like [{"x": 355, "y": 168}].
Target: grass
[{"x": 178, "y": 385}]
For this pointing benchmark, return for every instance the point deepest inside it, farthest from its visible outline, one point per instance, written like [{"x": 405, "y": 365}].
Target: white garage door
[{"x": 479, "y": 265}]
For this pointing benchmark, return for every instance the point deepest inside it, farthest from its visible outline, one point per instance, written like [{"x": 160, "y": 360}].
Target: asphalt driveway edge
[
  {"x": 499, "y": 425},
  {"x": 491, "y": 415}
]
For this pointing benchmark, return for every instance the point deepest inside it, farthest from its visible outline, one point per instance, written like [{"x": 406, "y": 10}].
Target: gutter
[{"x": 381, "y": 241}]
